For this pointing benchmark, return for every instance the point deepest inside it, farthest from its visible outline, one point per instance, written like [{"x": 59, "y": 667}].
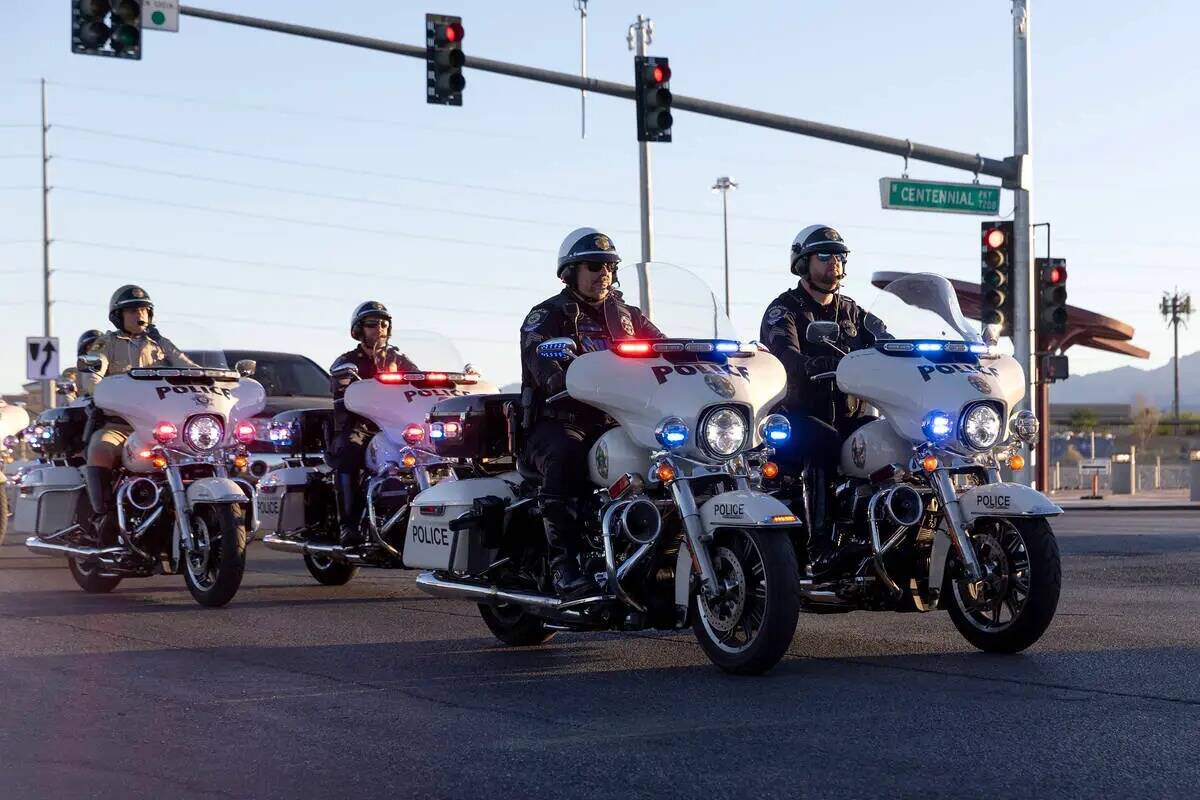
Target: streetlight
[{"x": 723, "y": 185}]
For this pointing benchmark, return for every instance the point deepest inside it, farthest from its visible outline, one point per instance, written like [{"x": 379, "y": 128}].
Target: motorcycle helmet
[
  {"x": 128, "y": 296},
  {"x": 815, "y": 239},
  {"x": 85, "y": 341},
  {"x": 371, "y": 308},
  {"x": 586, "y": 244}
]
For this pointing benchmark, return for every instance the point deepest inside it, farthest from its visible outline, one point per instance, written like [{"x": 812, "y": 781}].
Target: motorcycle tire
[
  {"x": 89, "y": 578},
  {"x": 515, "y": 627},
  {"x": 780, "y": 601},
  {"x": 1045, "y": 585},
  {"x": 226, "y": 530},
  {"x": 329, "y": 572}
]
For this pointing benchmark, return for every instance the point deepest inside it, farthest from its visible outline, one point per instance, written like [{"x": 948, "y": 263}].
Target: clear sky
[{"x": 260, "y": 185}]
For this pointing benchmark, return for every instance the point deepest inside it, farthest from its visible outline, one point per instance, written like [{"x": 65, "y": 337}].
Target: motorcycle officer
[
  {"x": 68, "y": 380},
  {"x": 592, "y": 313},
  {"x": 134, "y": 343},
  {"x": 371, "y": 326},
  {"x": 822, "y": 416}
]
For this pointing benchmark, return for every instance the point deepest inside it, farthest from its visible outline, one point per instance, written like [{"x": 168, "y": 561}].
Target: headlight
[
  {"x": 724, "y": 432},
  {"x": 672, "y": 432},
  {"x": 775, "y": 429},
  {"x": 1026, "y": 426},
  {"x": 981, "y": 427},
  {"x": 203, "y": 432}
]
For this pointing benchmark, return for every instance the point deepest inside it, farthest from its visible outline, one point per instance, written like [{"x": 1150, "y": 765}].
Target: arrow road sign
[{"x": 41, "y": 358}]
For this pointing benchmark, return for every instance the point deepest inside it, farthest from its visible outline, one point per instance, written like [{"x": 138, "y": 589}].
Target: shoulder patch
[
  {"x": 534, "y": 319},
  {"x": 774, "y": 313}
]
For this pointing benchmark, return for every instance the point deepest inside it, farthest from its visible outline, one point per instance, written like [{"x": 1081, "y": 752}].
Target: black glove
[
  {"x": 822, "y": 364},
  {"x": 152, "y": 332},
  {"x": 555, "y": 384}
]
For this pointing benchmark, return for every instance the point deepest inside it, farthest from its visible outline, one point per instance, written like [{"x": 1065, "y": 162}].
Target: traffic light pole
[
  {"x": 639, "y": 33},
  {"x": 1024, "y": 324},
  {"x": 47, "y": 385}
]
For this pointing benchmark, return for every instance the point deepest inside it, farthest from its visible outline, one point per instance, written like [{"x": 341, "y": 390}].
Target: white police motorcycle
[
  {"x": 178, "y": 509},
  {"x": 677, "y": 531},
  {"x": 921, "y": 501},
  {"x": 297, "y": 503}
]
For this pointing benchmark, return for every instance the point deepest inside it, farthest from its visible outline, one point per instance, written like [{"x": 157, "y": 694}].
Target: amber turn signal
[
  {"x": 929, "y": 463},
  {"x": 1016, "y": 461},
  {"x": 665, "y": 473},
  {"x": 770, "y": 470},
  {"x": 240, "y": 461},
  {"x": 409, "y": 460}
]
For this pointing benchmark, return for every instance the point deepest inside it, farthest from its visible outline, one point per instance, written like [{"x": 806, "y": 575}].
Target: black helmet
[
  {"x": 128, "y": 296},
  {"x": 815, "y": 239},
  {"x": 586, "y": 244},
  {"x": 371, "y": 308},
  {"x": 85, "y": 341}
]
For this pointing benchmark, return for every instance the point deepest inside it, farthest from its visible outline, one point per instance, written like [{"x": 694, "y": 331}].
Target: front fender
[
  {"x": 215, "y": 490},
  {"x": 745, "y": 509},
  {"x": 1005, "y": 500}
]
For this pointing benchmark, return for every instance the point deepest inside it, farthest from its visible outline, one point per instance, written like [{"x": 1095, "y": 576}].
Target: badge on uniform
[
  {"x": 534, "y": 319},
  {"x": 627, "y": 323},
  {"x": 774, "y": 313}
]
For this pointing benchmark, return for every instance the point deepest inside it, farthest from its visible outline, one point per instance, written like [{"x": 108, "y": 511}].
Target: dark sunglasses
[
  {"x": 593, "y": 266},
  {"x": 377, "y": 323},
  {"x": 825, "y": 258}
]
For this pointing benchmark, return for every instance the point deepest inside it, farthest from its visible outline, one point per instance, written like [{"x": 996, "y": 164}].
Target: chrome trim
[
  {"x": 943, "y": 484},
  {"x": 697, "y": 537}
]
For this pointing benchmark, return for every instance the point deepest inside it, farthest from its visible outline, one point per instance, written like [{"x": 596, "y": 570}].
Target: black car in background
[{"x": 291, "y": 381}]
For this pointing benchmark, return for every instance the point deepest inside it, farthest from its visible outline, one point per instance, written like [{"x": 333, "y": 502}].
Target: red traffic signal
[
  {"x": 1056, "y": 275},
  {"x": 652, "y": 91},
  {"x": 994, "y": 238},
  {"x": 449, "y": 34},
  {"x": 444, "y": 60},
  {"x": 661, "y": 73}
]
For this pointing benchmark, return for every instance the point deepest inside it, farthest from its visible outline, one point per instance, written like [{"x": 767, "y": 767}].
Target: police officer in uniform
[
  {"x": 68, "y": 381},
  {"x": 822, "y": 416},
  {"x": 371, "y": 326},
  {"x": 591, "y": 312},
  {"x": 134, "y": 343}
]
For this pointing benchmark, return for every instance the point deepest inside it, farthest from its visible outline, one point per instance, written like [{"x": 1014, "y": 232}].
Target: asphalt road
[{"x": 373, "y": 690}]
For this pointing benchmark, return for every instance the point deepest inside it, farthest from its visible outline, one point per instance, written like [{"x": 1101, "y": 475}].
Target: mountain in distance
[{"x": 1123, "y": 384}]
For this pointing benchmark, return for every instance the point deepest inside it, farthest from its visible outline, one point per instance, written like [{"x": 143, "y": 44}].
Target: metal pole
[
  {"x": 47, "y": 385},
  {"x": 1175, "y": 320},
  {"x": 725, "y": 226},
  {"x": 1024, "y": 328},
  {"x": 582, "y": 6},
  {"x": 642, "y": 32}
]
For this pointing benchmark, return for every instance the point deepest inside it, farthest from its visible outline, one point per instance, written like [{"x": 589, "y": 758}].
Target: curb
[{"x": 1076, "y": 505}]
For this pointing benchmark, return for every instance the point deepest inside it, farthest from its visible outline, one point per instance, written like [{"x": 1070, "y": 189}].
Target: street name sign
[
  {"x": 160, "y": 15},
  {"x": 950, "y": 198},
  {"x": 41, "y": 358}
]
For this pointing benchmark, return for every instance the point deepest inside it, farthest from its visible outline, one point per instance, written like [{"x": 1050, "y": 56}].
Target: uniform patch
[
  {"x": 849, "y": 329},
  {"x": 627, "y": 324},
  {"x": 774, "y": 313},
  {"x": 534, "y": 319}
]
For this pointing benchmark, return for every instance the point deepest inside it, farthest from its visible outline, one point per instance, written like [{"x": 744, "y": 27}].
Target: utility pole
[
  {"x": 639, "y": 36},
  {"x": 47, "y": 385},
  {"x": 1024, "y": 325},
  {"x": 723, "y": 185},
  {"x": 581, "y": 7},
  {"x": 1176, "y": 308}
]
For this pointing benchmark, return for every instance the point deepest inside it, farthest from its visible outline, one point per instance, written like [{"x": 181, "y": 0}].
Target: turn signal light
[
  {"x": 929, "y": 463},
  {"x": 409, "y": 460},
  {"x": 158, "y": 460},
  {"x": 240, "y": 461},
  {"x": 784, "y": 519},
  {"x": 665, "y": 473},
  {"x": 770, "y": 470},
  {"x": 1016, "y": 461}
]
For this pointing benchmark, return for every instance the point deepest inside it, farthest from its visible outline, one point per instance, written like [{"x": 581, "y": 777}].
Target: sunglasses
[
  {"x": 596, "y": 267},
  {"x": 377, "y": 323},
  {"x": 825, "y": 258}
]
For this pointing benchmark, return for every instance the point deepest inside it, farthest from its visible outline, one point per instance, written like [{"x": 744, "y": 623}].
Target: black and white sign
[{"x": 41, "y": 358}]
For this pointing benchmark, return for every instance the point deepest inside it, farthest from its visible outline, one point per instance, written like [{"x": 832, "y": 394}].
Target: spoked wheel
[
  {"x": 213, "y": 568},
  {"x": 1013, "y": 605},
  {"x": 747, "y": 628},
  {"x": 329, "y": 572},
  {"x": 511, "y": 625},
  {"x": 87, "y": 575}
]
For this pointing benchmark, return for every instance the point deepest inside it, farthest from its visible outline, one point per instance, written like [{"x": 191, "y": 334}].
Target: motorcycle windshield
[
  {"x": 682, "y": 305},
  {"x": 923, "y": 306}
]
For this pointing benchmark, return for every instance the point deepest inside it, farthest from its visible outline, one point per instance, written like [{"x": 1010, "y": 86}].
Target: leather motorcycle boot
[
  {"x": 823, "y": 555},
  {"x": 99, "y": 481},
  {"x": 569, "y": 582},
  {"x": 348, "y": 509}
]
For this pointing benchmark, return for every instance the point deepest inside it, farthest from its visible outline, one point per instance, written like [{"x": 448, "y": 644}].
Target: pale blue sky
[{"x": 355, "y": 175}]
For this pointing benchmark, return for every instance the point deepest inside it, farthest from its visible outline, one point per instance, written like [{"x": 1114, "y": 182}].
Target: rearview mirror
[
  {"x": 991, "y": 334},
  {"x": 561, "y": 348},
  {"x": 246, "y": 367},
  {"x": 93, "y": 362},
  {"x": 345, "y": 371},
  {"x": 818, "y": 332}
]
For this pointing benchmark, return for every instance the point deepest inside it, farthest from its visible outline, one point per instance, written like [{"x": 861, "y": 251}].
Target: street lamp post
[{"x": 723, "y": 185}]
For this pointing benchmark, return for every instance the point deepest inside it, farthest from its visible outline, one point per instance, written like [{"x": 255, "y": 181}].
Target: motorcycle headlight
[
  {"x": 203, "y": 432},
  {"x": 981, "y": 427},
  {"x": 1026, "y": 426},
  {"x": 724, "y": 432}
]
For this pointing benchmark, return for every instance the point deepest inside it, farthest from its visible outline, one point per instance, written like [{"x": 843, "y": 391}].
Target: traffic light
[
  {"x": 444, "y": 60},
  {"x": 652, "y": 87},
  {"x": 996, "y": 275},
  {"x": 1052, "y": 295},
  {"x": 107, "y": 28}
]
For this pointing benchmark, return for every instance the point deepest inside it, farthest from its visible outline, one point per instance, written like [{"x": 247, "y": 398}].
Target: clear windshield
[
  {"x": 923, "y": 306},
  {"x": 682, "y": 305}
]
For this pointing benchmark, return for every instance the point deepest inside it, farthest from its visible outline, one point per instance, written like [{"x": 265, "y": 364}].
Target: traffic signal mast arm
[{"x": 1007, "y": 169}]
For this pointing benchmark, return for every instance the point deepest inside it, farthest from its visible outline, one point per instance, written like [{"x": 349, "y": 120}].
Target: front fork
[
  {"x": 943, "y": 484},
  {"x": 179, "y": 496},
  {"x": 697, "y": 537}
]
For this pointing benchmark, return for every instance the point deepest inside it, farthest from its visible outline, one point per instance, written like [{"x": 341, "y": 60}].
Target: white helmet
[
  {"x": 586, "y": 244},
  {"x": 815, "y": 239}
]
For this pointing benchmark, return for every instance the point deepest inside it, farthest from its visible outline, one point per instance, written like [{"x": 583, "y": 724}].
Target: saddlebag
[
  {"x": 50, "y": 498},
  {"x": 453, "y": 524},
  {"x": 62, "y": 431},
  {"x": 475, "y": 426},
  {"x": 293, "y": 498}
]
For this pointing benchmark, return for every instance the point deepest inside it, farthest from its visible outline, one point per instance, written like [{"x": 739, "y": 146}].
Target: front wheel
[
  {"x": 87, "y": 575},
  {"x": 749, "y": 626},
  {"x": 1014, "y": 604},
  {"x": 213, "y": 568},
  {"x": 329, "y": 572},
  {"x": 513, "y": 626}
]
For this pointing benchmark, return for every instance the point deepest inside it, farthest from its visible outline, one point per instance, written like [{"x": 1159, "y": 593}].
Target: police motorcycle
[
  {"x": 297, "y": 502},
  {"x": 178, "y": 508},
  {"x": 921, "y": 504},
  {"x": 677, "y": 531}
]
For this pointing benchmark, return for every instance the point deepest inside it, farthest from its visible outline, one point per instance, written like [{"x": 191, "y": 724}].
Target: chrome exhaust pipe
[
  {"x": 274, "y": 541},
  {"x": 44, "y": 548},
  {"x": 453, "y": 589}
]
